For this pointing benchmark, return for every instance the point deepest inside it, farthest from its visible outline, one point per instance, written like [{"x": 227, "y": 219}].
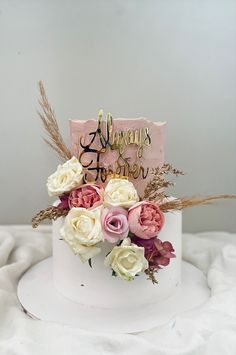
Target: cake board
[{"x": 41, "y": 300}]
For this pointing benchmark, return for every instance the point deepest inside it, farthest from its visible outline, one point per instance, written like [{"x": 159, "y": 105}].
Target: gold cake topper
[{"x": 104, "y": 138}]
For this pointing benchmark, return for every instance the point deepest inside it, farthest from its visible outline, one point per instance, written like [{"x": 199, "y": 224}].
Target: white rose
[
  {"x": 85, "y": 253},
  {"x": 120, "y": 192},
  {"x": 65, "y": 178},
  {"x": 82, "y": 231},
  {"x": 127, "y": 260}
]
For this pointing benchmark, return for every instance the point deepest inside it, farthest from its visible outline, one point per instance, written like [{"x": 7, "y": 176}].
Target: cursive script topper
[{"x": 104, "y": 139}]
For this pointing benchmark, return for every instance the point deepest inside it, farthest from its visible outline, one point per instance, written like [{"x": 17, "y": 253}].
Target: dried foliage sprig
[
  {"x": 48, "y": 118},
  {"x": 168, "y": 168},
  {"x": 186, "y": 202},
  {"x": 150, "y": 272},
  {"x": 51, "y": 212},
  {"x": 154, "y": 188}
]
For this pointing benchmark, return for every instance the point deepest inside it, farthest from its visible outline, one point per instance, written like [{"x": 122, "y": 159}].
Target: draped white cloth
[{"x": 207, "y": 330}]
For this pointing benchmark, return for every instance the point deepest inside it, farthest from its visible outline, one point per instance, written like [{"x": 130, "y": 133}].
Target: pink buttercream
[{"x": 153, "y": 155}]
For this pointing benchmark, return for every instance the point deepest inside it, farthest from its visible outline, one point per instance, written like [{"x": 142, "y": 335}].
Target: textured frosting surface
[{"x": 152, "y": 155}]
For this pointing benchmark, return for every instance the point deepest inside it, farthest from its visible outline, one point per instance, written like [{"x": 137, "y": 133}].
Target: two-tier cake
[
  {"x": 117, "y": 263},
  {"x": 119, "y": 156}
]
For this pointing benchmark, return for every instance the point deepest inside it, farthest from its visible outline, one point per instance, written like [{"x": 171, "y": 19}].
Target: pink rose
[
  {"x": 145, "y": 219},
  {"x": 86, "y": 196},
  {"x": 115, "y": 224}
]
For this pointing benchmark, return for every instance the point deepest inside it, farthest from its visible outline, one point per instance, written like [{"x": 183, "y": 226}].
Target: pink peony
[
  {"x": 157, "y": 253},
  {"x": 115, "y": 224},
  {"x": 86, "y": 196},
  {"x": 145, "y": 219}
]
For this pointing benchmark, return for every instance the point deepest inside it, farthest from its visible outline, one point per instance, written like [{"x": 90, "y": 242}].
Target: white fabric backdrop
[{"x": 210, "y": 329}]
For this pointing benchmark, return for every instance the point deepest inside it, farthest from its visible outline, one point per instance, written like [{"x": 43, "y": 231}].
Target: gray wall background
[{"x": 163, "y": 59}]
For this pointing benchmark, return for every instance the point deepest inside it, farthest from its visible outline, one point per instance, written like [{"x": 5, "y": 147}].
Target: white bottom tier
[
  {"x": 40, "y": 299},
  {"x": 97, "y": 287}
]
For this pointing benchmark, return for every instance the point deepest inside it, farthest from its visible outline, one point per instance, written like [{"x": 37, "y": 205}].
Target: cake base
[{"x": 40, "y": 300}]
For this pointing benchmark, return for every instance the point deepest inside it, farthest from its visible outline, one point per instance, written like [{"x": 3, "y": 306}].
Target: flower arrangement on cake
[
  {"x": 111, "y": 210},
  {"x": 114, "y": 214}
]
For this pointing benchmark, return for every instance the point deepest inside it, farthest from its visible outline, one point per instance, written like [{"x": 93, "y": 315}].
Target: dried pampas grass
[
  {"x": 154, "y": 188},
  {"x": 47, "y": 116},
  {"x": 51, "y": 213},
  {"x": 186, "y": 202},
  {"x": 155, "y": 191}
]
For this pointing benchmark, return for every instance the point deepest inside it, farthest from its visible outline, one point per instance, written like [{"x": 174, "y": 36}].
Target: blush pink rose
[
  {"x": 145, "y": 219},
  {"x": 115, "y": 224},
  {"x": 86, "y": 196}
]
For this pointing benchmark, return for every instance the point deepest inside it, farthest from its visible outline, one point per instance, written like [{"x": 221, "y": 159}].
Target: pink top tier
[{"x": 137, "y": 129}]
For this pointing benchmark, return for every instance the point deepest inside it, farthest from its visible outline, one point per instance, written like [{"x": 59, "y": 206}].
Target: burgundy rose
[
  {"x": 157, "y": 253},
  {"x": 86, "y": 196}
]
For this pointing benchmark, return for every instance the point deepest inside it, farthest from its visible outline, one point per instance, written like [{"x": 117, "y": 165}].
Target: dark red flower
[
  {"x": 157, "y": 253},
  {"x": 64, "y": 204}
]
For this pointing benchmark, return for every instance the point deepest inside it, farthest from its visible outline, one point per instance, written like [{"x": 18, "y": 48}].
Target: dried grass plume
[
  {"x": 187, "y": 202},
  {"x": 51, "y": 212},
  {"x": 49, "y": 121},
  {"x": 154, "y": 190}
]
